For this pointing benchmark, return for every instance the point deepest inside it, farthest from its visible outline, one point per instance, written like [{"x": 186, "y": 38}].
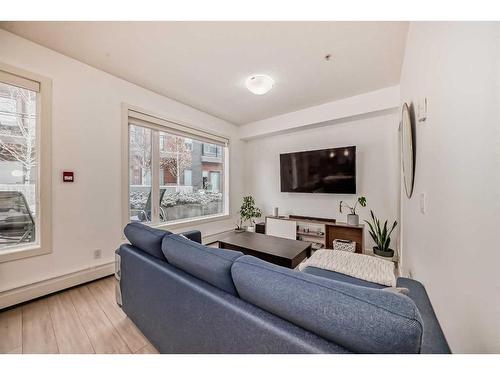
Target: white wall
[
  {"x": 376, "y": 139},
  {"x": 87, "y": 139},
  {"x": 454, "y": 247},
  {"x": 364, "y": 105}
]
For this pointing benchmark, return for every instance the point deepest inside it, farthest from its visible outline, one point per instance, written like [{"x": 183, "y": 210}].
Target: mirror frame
[{"x": 407, "y": 120}]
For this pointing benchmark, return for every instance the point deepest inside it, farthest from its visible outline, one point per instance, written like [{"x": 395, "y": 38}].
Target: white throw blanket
[{"x": 361, "y": 266}]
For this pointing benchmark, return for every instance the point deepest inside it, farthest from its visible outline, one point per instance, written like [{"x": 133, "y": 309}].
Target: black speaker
[{"x": 260, "y": 228}]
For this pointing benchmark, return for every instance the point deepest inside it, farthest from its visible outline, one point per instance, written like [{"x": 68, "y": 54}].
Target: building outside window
[{"x": 211, "y": 150}]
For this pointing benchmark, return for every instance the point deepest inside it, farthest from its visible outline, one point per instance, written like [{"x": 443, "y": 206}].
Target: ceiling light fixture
[{"x": 259, "y": 84}]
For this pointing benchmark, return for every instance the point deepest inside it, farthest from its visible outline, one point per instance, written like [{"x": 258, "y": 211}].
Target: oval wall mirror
[{"x": 407, "y": 137}]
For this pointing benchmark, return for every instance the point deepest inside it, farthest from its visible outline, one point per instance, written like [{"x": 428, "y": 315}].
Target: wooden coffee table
[{"x": 277, "y": 250}]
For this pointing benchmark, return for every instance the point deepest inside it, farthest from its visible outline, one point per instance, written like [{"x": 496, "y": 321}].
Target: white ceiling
[{"x": 205, "y": 64}]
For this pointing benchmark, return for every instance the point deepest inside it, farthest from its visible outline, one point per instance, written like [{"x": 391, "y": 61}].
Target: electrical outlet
[{"x": 97, "y": 254}]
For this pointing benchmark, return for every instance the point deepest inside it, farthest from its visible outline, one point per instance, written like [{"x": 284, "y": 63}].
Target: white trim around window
[
  {"x": 132, "y": 115},
  {"x": 43, "y": 86}
]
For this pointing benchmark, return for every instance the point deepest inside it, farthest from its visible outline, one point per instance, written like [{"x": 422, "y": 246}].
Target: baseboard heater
[{"x": 42, "y": 288}]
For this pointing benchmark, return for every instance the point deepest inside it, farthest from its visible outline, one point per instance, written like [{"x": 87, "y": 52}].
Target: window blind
[
  {"x": 182, "y": 130},
  {"x": 15, "y": 80}
]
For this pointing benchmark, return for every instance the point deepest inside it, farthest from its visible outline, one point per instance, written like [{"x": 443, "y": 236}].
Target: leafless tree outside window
[{"x": 177, "y": 156}]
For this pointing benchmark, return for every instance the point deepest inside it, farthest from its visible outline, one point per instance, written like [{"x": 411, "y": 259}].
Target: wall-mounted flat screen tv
[{"x": 330, "y": 171}]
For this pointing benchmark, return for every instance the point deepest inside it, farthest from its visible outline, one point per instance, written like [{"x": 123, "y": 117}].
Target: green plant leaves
[
  {"x": 248, "y": 211},
  {"x": 362, "y": 201},
  {"x": 380, "y": 235}
]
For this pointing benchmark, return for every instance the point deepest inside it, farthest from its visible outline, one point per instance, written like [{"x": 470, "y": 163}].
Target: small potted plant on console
[
  {"x": 353, "y": 218},
  {"x": 248, "y": 212},
  {"x": 381, "y": 236}
]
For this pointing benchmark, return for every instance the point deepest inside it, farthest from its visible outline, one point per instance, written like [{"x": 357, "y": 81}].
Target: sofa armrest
[
  {"x": 118, "y": 275},
  {"x": 433, "y": 339},
  {"x": 193, "y": 235}
]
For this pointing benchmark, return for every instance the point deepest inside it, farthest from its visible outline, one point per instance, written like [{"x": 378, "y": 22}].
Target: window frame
[
  {"x": 158, "y": 125},
  {"x": 44, "y": 170}
]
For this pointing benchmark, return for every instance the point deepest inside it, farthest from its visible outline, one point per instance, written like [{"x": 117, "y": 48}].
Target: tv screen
[{"x": 331, "y": 171}]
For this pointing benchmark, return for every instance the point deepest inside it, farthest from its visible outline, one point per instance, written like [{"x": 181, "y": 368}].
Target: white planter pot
[
  {"x": 251, "y": 229},
  {"x": 352, "y": 219}
]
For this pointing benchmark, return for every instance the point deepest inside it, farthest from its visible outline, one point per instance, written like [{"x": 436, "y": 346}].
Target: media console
[{"x": 319, "y": 231}]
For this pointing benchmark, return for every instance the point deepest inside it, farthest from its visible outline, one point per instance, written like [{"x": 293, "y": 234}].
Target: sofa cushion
[
  {"x": 361, "y": 319},
  {"x": 206, "y": 263},
  {"x": 193, "y": 235},
  {"x": 146, "y": 238}
]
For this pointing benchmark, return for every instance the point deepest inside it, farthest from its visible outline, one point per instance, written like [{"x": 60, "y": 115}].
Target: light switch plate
[
  {"x": 423, "y": 203},
  {"x": 422, "y": 110}
]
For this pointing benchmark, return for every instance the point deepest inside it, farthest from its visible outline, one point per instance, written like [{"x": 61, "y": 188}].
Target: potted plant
[
  {"x": 353, "y": 218},
  {"x": 381, "y": 236},
  {"x": 248, "y": 212}
]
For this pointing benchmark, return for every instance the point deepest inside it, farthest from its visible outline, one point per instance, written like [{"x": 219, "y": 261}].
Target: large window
[
  {"x": 20, "y": 166},
  {"x": 175, "y": 172}
]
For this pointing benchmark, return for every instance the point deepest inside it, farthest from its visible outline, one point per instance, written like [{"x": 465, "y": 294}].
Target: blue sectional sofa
[{"x": 189, "y": 298}]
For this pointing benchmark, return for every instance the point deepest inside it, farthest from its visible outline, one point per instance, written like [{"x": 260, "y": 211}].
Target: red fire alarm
[{"x": 68, "y": 177}]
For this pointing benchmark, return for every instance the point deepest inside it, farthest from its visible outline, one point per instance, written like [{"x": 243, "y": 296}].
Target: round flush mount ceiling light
[{"x": 259, "y": 84}]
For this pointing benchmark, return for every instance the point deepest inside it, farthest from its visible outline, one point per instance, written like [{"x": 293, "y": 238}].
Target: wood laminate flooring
[{"x": 81, "y": 320}]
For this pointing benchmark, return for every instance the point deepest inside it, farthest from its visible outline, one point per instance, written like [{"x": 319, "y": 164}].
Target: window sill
[
  {"x": 190, "y": 222},
  {"x": 22, "y": 252}
]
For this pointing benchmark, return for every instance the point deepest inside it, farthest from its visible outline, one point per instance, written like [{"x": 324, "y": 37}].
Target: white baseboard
[{"x": 42, "y": 288}]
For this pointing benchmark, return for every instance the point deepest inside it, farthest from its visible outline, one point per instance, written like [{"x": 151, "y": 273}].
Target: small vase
[
  {"x": 251, "y": 229},
  {"x": 352, "y": 219}
]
